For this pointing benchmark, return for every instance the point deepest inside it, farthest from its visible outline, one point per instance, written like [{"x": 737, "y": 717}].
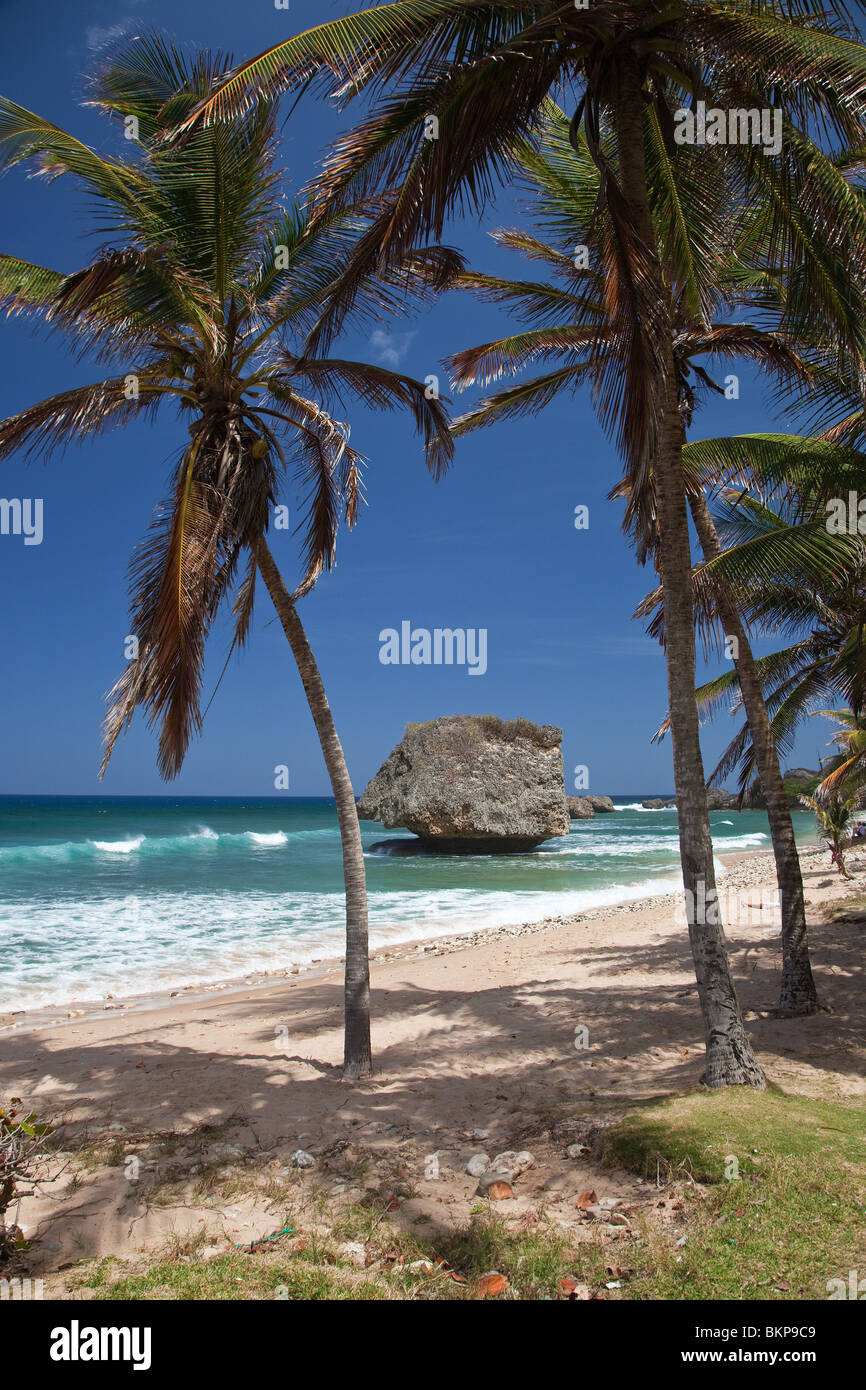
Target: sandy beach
[{"x": 477, "y": 1033}]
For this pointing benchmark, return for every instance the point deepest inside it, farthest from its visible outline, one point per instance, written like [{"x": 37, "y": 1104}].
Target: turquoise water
[{"x": 123, "y": 895}]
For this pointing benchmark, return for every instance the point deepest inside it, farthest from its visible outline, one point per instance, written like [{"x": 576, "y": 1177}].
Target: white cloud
[
  {"x": 627, "y": 646},
  {"x": 390, "y": 348},
  {"x": 97, "y": 37}
]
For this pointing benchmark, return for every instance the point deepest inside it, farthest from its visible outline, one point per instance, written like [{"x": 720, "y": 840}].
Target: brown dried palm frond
[
  {"x": 218, "y": 298},
  {"x": 319, "y": 456},
  {"x": 381, "y": 389},
  {"x": 775, "y": 351},
  {"x": 137, "y": 294},
  {"x": 491, "y": 361},
  {"x": 179, "y": 578},
  {"x": 173, "y": 589},
  {"x": 72, "y": 415}
]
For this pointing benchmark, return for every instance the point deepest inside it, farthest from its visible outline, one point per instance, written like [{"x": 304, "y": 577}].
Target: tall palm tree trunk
[
  {"x": 357, "y": 1058},
  {"x": 730, "y": 1060},
  {"x": 798, "y": 995}
]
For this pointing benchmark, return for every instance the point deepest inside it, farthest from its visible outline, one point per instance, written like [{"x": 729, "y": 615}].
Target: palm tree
[
  {"x": 783, "y": 571},
  {"x": 845, "y": 770},
  {"x": 798, "y": 994},
  {"x": 563, "y": 183},
  {"x": 464, "y": 81},
  {"x": 789, "y": 575},
  {"x": 208, "y": 286},
  {"x": 835, "y": 819}
]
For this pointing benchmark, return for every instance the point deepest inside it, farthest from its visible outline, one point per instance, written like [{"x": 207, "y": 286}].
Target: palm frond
[
  {"x": 528, "y": 398},
  {"x": 492, "y": 361},
  {"x": 381, "y": 389},
  {"x": 70, "y": 416},
  {"x": 25, "y": 286}
]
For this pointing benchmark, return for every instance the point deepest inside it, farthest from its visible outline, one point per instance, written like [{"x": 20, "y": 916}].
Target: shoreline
[
  {"x": 740, "y": 869},
  {"x": 214, "y": 1094}
]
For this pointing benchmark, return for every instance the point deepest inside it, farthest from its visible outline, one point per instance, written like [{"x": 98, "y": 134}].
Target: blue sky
[{"x": 492, "y": 546}]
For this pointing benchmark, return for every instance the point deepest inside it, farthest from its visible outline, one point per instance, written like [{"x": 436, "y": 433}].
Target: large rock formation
[
  {"x": 585, "y": 807},
  {"x": 472, "y": 784}
]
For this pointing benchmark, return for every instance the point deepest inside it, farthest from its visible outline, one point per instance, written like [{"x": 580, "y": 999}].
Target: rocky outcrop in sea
[{"x": 471, "y": 784}]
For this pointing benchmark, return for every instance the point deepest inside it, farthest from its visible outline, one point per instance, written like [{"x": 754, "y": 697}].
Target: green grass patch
[
  {"x": 751, "y": 1195},
  {"x": 773, "y": 1187},
  {"x": 236, "y": 1276},
  {"x": 533, "y": 1262}
]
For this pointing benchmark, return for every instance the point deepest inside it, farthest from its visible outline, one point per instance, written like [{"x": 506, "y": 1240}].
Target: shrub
[{"x": 22, "y": 1166}]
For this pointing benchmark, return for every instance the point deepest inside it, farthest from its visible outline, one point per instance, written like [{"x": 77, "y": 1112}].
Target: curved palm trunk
[
  {"x": 799, "y": 995},
  {"x": 730, "y": 1059},
  {"x": 357, "y": 1059}
]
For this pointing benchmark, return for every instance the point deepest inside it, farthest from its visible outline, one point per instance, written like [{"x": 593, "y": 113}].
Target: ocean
[{"x": 126, "y": 895}]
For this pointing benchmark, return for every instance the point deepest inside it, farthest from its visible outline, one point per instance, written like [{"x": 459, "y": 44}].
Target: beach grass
[
  {"x": 402, "y": 1266},
  {"x": 757, "y": 1196},
  {"x": 773, "y": 1193},
  {"x": 230, "y": 1276}
]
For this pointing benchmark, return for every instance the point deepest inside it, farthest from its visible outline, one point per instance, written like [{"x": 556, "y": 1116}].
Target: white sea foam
[
  {"x": 119, "y": 846},
  {"x": 68, "y": 933},
  {"x": 72, "y": 850},
  {"x": 589, "y": 841},
  {"x": 637, "y": 806},
  {"x": 139, "y": 943}
]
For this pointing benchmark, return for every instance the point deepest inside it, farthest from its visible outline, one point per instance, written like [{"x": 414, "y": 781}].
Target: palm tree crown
[{"x": 206, "y": 291}]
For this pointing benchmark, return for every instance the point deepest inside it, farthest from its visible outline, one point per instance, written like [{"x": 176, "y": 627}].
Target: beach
[
  {"x": 536, "y": 1034},
  {"x": 105, "y": 899}
]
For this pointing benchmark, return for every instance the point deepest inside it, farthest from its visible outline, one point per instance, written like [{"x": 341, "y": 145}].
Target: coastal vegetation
[
  {"x": 836, "y": 820},
  {"x": 206, "y": 294},
  {"x": 218, "y": 293},
  {"x": 740, "y": 1190},
  {"x": 568, "y": 319},
  {"x": 792, "y": 578},
  {"x": 222, "y": 296},
  {"x": 486, "y": 74}
]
